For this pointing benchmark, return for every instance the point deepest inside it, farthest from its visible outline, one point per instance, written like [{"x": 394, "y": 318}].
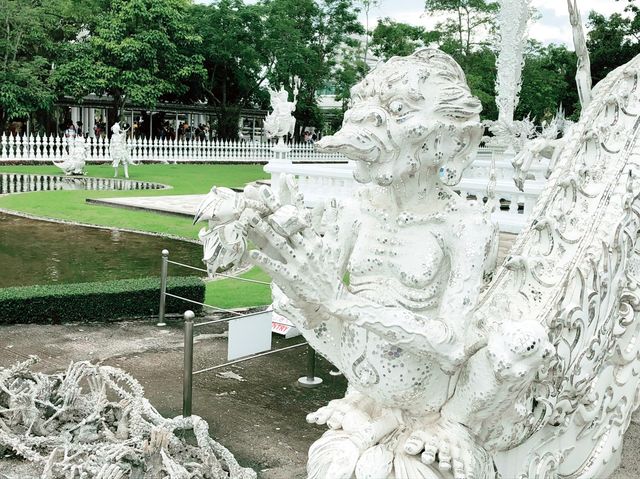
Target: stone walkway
[
  {"x": 255, "y": 408},
  {"x": 181, "y": 205}
]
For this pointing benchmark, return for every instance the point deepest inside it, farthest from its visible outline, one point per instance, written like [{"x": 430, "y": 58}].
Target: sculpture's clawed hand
[
  {"x": 303, "y": 273},
  {"x": 451, "y": 447}
]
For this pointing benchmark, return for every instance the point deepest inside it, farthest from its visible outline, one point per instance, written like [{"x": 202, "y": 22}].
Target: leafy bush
[{"x": 128, "y": 298}]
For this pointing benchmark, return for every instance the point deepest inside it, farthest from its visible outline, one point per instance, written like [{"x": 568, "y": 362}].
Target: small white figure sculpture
[
  {"x": 74, "y": 164},
  {"x": 537, "y": 376},
  {"x": 119, "y": 150},
  {"x": 281, "y": 122}
]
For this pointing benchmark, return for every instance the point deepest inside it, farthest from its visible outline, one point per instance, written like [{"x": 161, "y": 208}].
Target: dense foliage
[
  {"x": 100, "y": 301},
  {"x": 225, "y": 53}
]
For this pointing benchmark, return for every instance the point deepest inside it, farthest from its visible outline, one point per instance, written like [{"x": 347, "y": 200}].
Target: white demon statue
[
  {"x": 534, "y": 375},
  {"x": 281, "y": 122},
  {"x": 119, "y": 150},
  {"x": 74, "y": 164}
]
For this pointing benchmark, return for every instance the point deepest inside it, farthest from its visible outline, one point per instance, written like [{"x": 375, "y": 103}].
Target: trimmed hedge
[{"x": 119, "y": 299}]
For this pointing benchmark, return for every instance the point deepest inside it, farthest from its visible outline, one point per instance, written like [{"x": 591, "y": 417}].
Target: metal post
[
  {"x": 310, "y": 380},
  {"x": 163, "y": 286},
  {"x": 187, "y": 374}
]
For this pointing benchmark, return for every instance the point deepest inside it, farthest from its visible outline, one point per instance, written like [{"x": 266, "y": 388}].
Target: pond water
[{"x": 40, "y": 252}]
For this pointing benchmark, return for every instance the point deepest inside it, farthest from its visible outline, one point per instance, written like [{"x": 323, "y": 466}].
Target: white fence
[
  {"x": 45, "y": 149},
  {"x": 319, "y": 182}
]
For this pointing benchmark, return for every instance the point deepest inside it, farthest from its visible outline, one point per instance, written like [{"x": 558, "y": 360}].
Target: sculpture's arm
[
  {"x": 309, "y": 271},
  {"x": 468, "y": 244}
]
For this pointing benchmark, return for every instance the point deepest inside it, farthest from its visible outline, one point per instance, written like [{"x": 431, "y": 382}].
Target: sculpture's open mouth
[{"x": 356, "y": 145}]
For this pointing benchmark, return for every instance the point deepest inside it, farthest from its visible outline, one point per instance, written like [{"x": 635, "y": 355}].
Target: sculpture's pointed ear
[{"x": 459, "y": 148}]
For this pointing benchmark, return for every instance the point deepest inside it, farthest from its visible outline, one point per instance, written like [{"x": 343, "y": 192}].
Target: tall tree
[
  {"x": 138, "y": 52},
  {"x": 466, "y": 23},
  {"x": 612, "y": 41},
  {"x": 235, "y": 61},
  {"x": 367, "y": 5},
  {"x": 395, "y": 38},
  {"x": 304, "y": 38},
  {"x": 29, "y": 46}
]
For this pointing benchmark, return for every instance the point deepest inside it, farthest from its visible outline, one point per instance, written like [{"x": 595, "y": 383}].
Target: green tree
[
  {"x": 304, "y": 38},
  {"x": 395, "y": 38},
  {"x": 548, "y": 82},
  {"x": 235, "y": 61},
  {"x": 138, "y": 52},
  {"x": 466, "y": 24},
  {"x": 612, "y": 41},
  {"x": 29, "y": 46}
]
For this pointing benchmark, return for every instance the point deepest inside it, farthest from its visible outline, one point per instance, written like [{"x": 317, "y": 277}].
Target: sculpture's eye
[{"x": 396, "y": 107}]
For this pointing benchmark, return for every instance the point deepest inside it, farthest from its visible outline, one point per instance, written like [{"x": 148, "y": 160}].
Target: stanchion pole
[
  {"x": 163, "y": 287},
  {"x": 187, "y": 374},
  {"x": 310, "y": 380}
]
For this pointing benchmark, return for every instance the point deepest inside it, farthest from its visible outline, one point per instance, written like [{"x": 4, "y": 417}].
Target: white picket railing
[
  {"x": 319, "y": 182},
  {"x": 36, "y": 148}
]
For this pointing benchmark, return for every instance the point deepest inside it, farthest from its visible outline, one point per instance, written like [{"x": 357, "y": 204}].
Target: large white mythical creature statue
[
  {"x": 534, "y": 375},
  {"x": 74, "y": 163},
  {"x": 119, "y": 150},
  {"x": 281, "y": 122}
]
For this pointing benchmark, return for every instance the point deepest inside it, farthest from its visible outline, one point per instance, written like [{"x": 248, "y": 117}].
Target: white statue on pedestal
[
  {"x": 534, "y": 376},
  {"x": 281, "y": 122},
  {"x": 119, "y": 150},
  {"x": 74, "y": 164}
]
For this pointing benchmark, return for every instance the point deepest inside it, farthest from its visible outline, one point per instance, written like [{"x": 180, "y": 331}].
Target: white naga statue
[
  {"x": 532, "y": 376},
  {"x": 74, "y": 163},
  {"x": 281, "y": 122},
  {"x": 119, "y": 150}
]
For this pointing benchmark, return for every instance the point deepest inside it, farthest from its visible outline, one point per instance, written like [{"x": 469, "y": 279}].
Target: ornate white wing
[{"x": 575, "y": 270}]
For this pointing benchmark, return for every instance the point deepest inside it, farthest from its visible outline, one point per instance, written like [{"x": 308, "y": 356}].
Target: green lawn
[
  {"x": 184, "y": 179},
  {"x": 230, "y": 293}
]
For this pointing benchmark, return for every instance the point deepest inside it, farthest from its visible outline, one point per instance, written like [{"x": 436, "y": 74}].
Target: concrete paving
[
  {"x": 181, "y": 205},
  {"x": 257, "y": 411}
]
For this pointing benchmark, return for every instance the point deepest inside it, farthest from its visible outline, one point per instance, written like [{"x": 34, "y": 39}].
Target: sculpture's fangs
[{"x": 534, "y": 376}]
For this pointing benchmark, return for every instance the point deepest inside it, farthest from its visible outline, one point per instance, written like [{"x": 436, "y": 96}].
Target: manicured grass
[
  {"x": 229, "y": 293},
  {"x": 184, "y": 179}
]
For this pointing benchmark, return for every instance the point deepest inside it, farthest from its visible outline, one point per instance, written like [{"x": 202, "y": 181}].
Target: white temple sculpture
[
  {"x": 119, "y": 150},
  {"x": 74, "y": 163},
  {"x": 94, "y": 422},
  {"x": 281, "y": 122},
  {"x": 513, "y": 17},
  {"x": 534, "y": 375},
  {"x": 548, "y": 145}
]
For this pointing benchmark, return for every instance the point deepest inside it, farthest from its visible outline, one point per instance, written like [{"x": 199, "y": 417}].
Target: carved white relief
[
  {"x": 94, "y": 422},
  {"x": 513, "y": 16},
  {"x": 535, "y": 374}
]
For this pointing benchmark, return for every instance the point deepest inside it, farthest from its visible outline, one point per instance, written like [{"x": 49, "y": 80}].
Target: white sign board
[{"x": 249, "y": 334}]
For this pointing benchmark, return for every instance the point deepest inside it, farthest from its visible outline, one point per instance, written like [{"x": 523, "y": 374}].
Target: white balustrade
[
  {"x": 319, "y": 182},
  {"x": 45, "y": 149}
]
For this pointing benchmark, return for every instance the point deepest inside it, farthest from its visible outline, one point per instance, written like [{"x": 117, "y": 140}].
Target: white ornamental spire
[{"x": 512, "y": 24}]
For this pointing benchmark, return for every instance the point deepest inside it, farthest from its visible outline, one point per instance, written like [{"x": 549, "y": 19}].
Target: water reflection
[{"x": 39, "y": 252}]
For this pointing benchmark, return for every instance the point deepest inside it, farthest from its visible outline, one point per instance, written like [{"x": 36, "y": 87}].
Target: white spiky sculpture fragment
[{"x": 94, "y": 422}]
